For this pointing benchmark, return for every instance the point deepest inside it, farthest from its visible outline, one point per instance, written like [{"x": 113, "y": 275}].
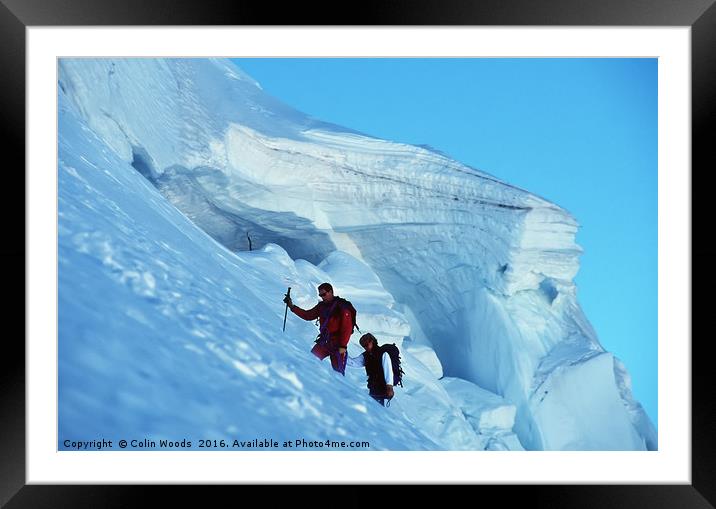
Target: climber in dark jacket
[{"x": 378, "y": 367}]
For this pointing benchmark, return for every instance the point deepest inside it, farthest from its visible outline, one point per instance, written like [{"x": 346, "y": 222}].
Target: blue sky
[{"x": 581, "y": 133}]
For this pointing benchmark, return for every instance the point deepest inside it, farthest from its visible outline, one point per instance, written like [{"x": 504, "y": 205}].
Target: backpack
[
  {"x": 394, "y": 353},
  {"x": 346, "y": 304}
]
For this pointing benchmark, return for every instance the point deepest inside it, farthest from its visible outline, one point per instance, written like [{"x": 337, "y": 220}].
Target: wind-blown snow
[{"x": 169, "y": 327}]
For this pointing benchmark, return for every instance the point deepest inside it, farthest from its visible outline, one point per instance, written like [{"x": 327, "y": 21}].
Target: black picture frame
[{"x": 16, "y": 15}]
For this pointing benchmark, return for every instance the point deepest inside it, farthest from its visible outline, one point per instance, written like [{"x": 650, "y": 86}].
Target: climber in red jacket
[{"x": 335, "y": 316}]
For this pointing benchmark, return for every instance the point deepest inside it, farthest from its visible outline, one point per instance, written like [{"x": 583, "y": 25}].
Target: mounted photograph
[{"x": 357, "y": 254}]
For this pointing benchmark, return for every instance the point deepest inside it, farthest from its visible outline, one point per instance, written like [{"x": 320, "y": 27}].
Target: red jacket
[{"x": 340, "y": 323}]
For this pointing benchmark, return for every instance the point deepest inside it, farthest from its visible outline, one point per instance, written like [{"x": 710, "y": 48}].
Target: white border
[{"x": 671, "y": 464}]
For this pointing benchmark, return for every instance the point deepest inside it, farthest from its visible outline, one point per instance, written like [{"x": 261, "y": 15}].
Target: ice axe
[{"x": 285, "y": 314}]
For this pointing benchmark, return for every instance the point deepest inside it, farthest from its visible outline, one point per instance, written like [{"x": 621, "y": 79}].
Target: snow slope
[{"x": 168, "y": 324}]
